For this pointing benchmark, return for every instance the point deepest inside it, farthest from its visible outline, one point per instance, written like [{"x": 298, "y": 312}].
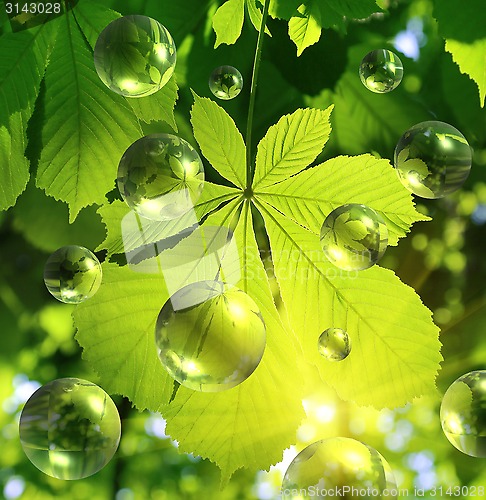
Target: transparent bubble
[
  {"x": 70, "y": 428},
  {"x": 135, "y": 56},
  {"x": 210, "y": 336},
  {"x": 463, "y": 413},
  {"x": 72, "y": 274},
  {"x": 381, "y": 71},
  {"x": 225, "y": 82},
  {"x": 354, "y": 237},
  {"x": 343, "y": 464},
  {"x": 334, "y": 344},
  {"x": 160, "y": 176},
  {"x": 433, "y": 159}
]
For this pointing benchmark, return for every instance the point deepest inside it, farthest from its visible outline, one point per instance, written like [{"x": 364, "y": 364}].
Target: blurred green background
[{"x": 443, "y": 259}]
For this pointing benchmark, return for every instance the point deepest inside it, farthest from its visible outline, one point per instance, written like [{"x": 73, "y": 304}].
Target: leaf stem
[{"x": 251, "y": 107}]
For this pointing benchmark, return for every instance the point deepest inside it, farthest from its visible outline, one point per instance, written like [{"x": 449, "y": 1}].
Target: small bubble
[
  {"x": 160, "y": 176},
  {"x": 135, "y": 56},
  {"x": 432, "y": 159},
  {"x": 72, "y": 274},
  {"x": 334, "y": 344},
  {"x": 463, "y": 416},
  {"x": 225, "y": 82},
  {"x": 332, "y": 464},
  {"x": 381, "y": 71},
  {"x": 70, "y": 434},
  {"x": 354, "y": 237},
  {"x": 210, "y": 336}
]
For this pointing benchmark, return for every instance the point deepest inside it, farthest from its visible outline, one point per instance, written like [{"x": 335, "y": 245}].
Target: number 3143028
[
  {"x": 458, "y": 491},
  {"x": 32, "y": 8}
]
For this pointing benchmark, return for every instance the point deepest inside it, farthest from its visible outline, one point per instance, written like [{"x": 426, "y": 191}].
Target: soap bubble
[
  {"x": 210, "y": 336},
  {"x": 432, "y": 159},
  {"x": 354, "y": 237},
  {"x": 463, "y": 414},
  {"x": 338, "y": 464},
  {"x": 135, "y": 56},
  {"x": 70, "y": 428},
  {"x": 225, "y": 82},
  {"x": 160, "y": 176},
  {"x": 334, "y": 344},
  {"x": 381, "y": 71},
  {"x": 72, "y": 274}
]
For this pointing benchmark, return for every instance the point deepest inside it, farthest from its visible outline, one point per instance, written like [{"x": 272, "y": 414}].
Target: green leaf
[
  {"x": 14, "y": 167},
  {"x": 330, "y": 17},
  {"x": 460, "y": 93},
  {"x": 283, "y": 9},
  {"x": 305, "y": 29},
  {"x": 116, "y": 329},
  {"x": 471, "y": 59},
  {"x": 307, "y": 20},
  {"x": 219, "y": 140},
  {"x": 466, "y": 24},
  {"x": 380, "y": 314},
  {"x": 87, "y": 128},
  {"x": 290, "y": 145},
  {"x": 248, "y": 425},
  {"x": 93, "y": 19},
  {"x": 365, "y": 121},
  {"x": 228, "y": 22},
  {"x": 464, "y": 29},
  {"x": 114, "y": 213},
  {"x": 255, "y": 14},
  {"x": 5, "y": 26},
  {"x": 22, "y": 65},
  {"x": 395, "y": 347},
  {"x": 180, "y": 18},
  {"x": 310, "y": 196},
  {"x": 44, "y": 222},
  {"x": 354, "y": 9},
  {"x": 159, "y": 106}
]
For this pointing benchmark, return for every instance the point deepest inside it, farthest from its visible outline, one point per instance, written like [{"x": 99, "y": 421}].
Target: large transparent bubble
[
  {"x": 70, "y": 428},
  {"x": 381, "y": 71},
  {"x": 210, "y": 336},
  {"x": 135, "y": 56},
  {"x": 72, "y": 274},
  {"x": 433, "y": 159},
  {"x": 354, "y": 237},
  {"x": 160, "y": 176},
  {"x": 463, "y": 413},
  {"x": 342, "y": 465}
]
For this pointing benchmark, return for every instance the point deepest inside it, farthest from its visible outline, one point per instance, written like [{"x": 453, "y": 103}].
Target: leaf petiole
[{"x": 251, "y": 107}]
